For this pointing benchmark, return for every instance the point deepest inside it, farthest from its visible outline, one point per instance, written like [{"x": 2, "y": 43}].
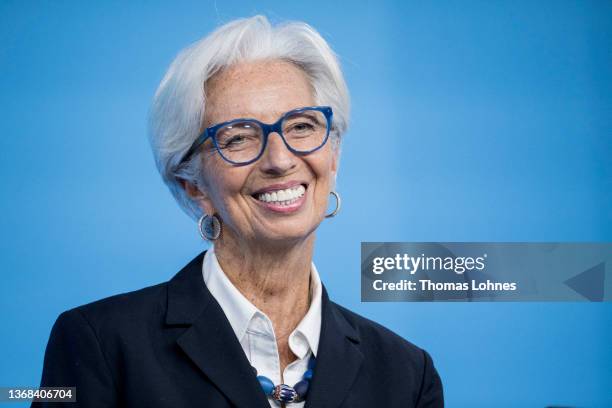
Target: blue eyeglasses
[{"x": 243, "y": 141}]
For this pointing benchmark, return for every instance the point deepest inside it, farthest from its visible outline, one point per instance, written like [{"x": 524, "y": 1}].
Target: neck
[{"x": 275, "y": 278}]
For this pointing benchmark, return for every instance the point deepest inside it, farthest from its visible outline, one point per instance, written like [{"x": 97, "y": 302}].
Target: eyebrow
[{"x": 278, "y": 115}]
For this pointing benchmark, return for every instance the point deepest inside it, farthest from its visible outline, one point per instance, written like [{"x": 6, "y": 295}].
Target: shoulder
[
  {"x": 389, "y": 348},
  {"x": 139, "y": 302},
  {"x": 123, "y": 312},
  {"x": 127, "y": 317},
  {"x": 407, "y": 367}
]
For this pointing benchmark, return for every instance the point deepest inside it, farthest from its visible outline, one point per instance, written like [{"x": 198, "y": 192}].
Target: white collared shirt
[{"x": 255, "y": 331}]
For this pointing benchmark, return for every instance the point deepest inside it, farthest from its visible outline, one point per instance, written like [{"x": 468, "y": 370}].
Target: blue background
[{"x": 472, "y": 121}]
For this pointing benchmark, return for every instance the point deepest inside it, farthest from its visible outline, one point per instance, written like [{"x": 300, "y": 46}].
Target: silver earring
[
  {"x": 209, "y": 227},
  {"x": 338, "y": 203}
]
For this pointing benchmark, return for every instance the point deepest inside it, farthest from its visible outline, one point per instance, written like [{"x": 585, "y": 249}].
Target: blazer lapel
[
  {"x": 210, "y": 341},
  {"x": 338, "y": 359}
]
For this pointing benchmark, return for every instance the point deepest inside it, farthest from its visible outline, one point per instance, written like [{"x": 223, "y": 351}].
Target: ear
[
  {"x": 199, "y": 195},
  {"x": 335, "y": 164}
]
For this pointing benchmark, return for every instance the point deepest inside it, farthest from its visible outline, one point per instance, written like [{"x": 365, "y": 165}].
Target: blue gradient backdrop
[{"x": 472, "y": 121}]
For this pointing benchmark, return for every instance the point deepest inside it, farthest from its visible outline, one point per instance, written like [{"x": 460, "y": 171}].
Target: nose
[{"x": 277, "y": 159}]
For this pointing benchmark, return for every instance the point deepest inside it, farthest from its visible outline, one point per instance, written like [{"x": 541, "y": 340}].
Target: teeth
[{"x": 283, "y": 197}]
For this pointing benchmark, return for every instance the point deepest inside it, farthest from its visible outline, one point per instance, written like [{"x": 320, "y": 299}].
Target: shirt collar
[
  {"x": 310, "y": 325},
  {"x": 240, "y": 311}
]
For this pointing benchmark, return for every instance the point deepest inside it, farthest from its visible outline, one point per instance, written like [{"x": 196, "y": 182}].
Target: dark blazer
[{"x": 170, "y": 345}]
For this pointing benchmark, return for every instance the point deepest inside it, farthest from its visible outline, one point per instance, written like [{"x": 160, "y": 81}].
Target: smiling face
[{"x": 281, "y": 197}]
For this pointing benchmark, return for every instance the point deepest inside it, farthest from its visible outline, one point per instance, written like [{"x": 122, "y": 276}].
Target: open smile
[{"x": 283, "y": 198}]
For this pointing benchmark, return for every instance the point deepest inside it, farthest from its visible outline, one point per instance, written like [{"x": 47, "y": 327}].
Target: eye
[
  {"x": 304, "y": 124},
  {"x": 302, "y": 127},
  {"x": 233, "y": 141}
]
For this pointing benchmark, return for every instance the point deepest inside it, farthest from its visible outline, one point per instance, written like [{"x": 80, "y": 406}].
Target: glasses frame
[{"x": 267, "y": 128}]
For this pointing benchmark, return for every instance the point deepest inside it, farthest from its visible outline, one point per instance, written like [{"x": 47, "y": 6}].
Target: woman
[{"x": 246, "y": 128}]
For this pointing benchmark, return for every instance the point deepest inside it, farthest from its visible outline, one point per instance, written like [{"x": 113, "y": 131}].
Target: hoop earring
[
  {"x": 338, "y": 204},
  {"x": 209, "y": 227}
]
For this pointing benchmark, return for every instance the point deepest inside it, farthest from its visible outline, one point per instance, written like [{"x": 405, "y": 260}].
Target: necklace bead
[{"x": 284, "y": 392}]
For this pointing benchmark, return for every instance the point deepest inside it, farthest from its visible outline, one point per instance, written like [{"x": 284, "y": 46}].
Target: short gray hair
[{"x": 178, "y": 108}]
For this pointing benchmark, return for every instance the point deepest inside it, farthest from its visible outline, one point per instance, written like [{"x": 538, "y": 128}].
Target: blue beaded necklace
[{"x": 284, "y": 392}]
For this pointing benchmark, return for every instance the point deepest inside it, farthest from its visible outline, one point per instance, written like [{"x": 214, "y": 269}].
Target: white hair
[{"x": 178, "y": 108}]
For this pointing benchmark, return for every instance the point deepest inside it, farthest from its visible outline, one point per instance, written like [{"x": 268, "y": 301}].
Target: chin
[{"x": 285, "y": 233}]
